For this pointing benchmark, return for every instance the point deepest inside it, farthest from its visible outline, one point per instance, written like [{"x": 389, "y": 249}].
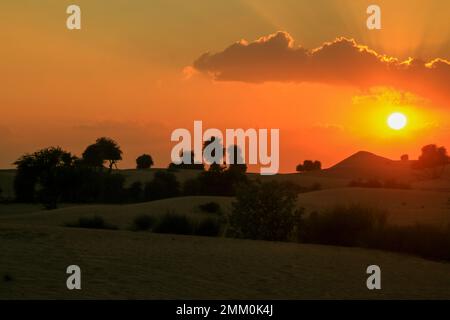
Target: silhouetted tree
[
  {"x": 213, "y": 182},
  {"x": 163, "y": 185},
  {"x": 192, "y": 187},
  {"x": 404, "y": 157},
  {"x": 187, "y": 162},
  {"x": 309, "y": 165},
  {"x": 45, "y": 169},
  {"x": 104, "y": 149},
  {"x": 113, "y": 190},
  {"x": 209, "y": 150},
  {"x": 238, "y": 165},
  {"x": 433, "y": 159},
  {"x": 218, "y": 180},
  {"x": 144, "y": 161},
  {"x": 266, "y": 211},
  {"x": 135, "y": 192}
]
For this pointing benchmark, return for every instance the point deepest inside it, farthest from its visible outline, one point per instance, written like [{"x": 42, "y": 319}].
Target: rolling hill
[
  {"x": 366, "y": 165},
  {"x": 142, "y": 265},
  {"x": 404, "y": 207}
]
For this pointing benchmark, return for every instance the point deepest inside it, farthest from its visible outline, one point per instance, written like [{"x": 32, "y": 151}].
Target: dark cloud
[{"x": 342, "y": 61}]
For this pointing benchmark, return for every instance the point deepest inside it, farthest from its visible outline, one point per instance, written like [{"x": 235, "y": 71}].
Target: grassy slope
[
  {"x": 122, "y": 264},
  {"x": 403, "y": 206},
  {"x": 35, "y": 250},
  {"x": 119, "y": 215}
]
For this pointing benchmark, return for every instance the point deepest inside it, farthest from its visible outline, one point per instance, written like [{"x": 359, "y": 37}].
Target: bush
[
  {"x": 144, "y": 161},
  {"x": 163, "y": 185},
  {"x": 95, "y": 222},
  {"x": 192, "y": 187},
  {"x": 113, "y": 188},
  {"x": 208, "y": 227},
  {"x": 394, "y": 184},
  {"x": 143, "y": 222},
  {"x": 210, "y": 207},
  {"x": 174, "y": 223},
  {"x": 7, "y": 278},
  {"x": 342, "y": 225},
  {"x": 371, "y": 183},
  {"x": 366, "y": 227},
  {"x": 424, "y": 240},
  {"x": 266, "y": 211},
  {"x": 135, "y": 192}
]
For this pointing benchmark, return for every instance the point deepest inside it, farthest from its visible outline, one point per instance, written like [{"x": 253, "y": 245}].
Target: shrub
[
  {"x": 266, "y": 211},
  {"x": 210, "y": 207},
  {"x": 135, "y": 192},
  {"x": 309, "y": 165},
  {"x": 174, "y": 223},
  {"x": 208, "y": 227},
  {"x": 342, "y": 225},
  {"x": 192, "y": 187},
  {"x": 366, "y": 227},
  {"x": 163, "y": 185},
  {"x": 143, "y": 222},
  {"x": 95, "y": 222},
  {"x": 371, "y": 183},
  {"x": 144, "y": 161},
  {"x": 424, "y": 240},
  {"x": 113, "y": 188},
  {"x": 7, "y": 277},
  {"x": 394, "y": 184}
]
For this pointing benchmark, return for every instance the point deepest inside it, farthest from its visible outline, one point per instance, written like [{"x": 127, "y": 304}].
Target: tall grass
[
  {"x": 95, "y": 222},
  {"x": 174, "y": 223},
  {"x": 342, "y": 225},
  {"x": 368, "y": 227},
  {"x": 143, "y": 222},
  {"x": 184, "y": 224}
]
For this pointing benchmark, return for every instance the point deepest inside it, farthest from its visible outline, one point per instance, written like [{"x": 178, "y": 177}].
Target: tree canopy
[
  {"x": 144, "y": 161},
  {"x": 103, "y": 150},
  {"x": 433, "y": 159},
  {"x": 309, "y": 165}
]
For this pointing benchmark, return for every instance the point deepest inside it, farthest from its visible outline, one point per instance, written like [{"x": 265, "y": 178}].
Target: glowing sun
[{"x": 397, "y": 121}]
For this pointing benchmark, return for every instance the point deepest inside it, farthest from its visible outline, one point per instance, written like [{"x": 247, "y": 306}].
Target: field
[
  {"x": 36, "y": 248},
  {"x": 140, "y": 265},
  {"x": 404, "y": 207},
  {"x": 119, "y": 215}
]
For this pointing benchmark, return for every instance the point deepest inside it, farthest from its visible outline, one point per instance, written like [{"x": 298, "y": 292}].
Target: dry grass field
[
  {"x": 142, "y": 265},
  {"x": 404, "y": 207},
  {"x": 36, "y": 247}
]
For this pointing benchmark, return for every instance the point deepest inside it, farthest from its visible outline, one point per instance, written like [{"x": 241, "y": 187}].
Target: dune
[
  {"x": 404, "y": 207},
  {"x": 119, "y": 215},
  {"x": 143, "y": 265},
  {"x": 366, "y": 165}
]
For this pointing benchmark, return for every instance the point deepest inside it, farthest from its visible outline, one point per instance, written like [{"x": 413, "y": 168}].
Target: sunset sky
[{"x": 137, "y": 70}]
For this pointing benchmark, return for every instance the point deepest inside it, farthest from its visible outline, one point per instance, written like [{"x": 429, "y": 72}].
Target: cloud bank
[{"x": 340, "y": 62}]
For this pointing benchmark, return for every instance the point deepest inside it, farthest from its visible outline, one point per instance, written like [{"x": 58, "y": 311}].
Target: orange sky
[{"x": 128, "y": 75}]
